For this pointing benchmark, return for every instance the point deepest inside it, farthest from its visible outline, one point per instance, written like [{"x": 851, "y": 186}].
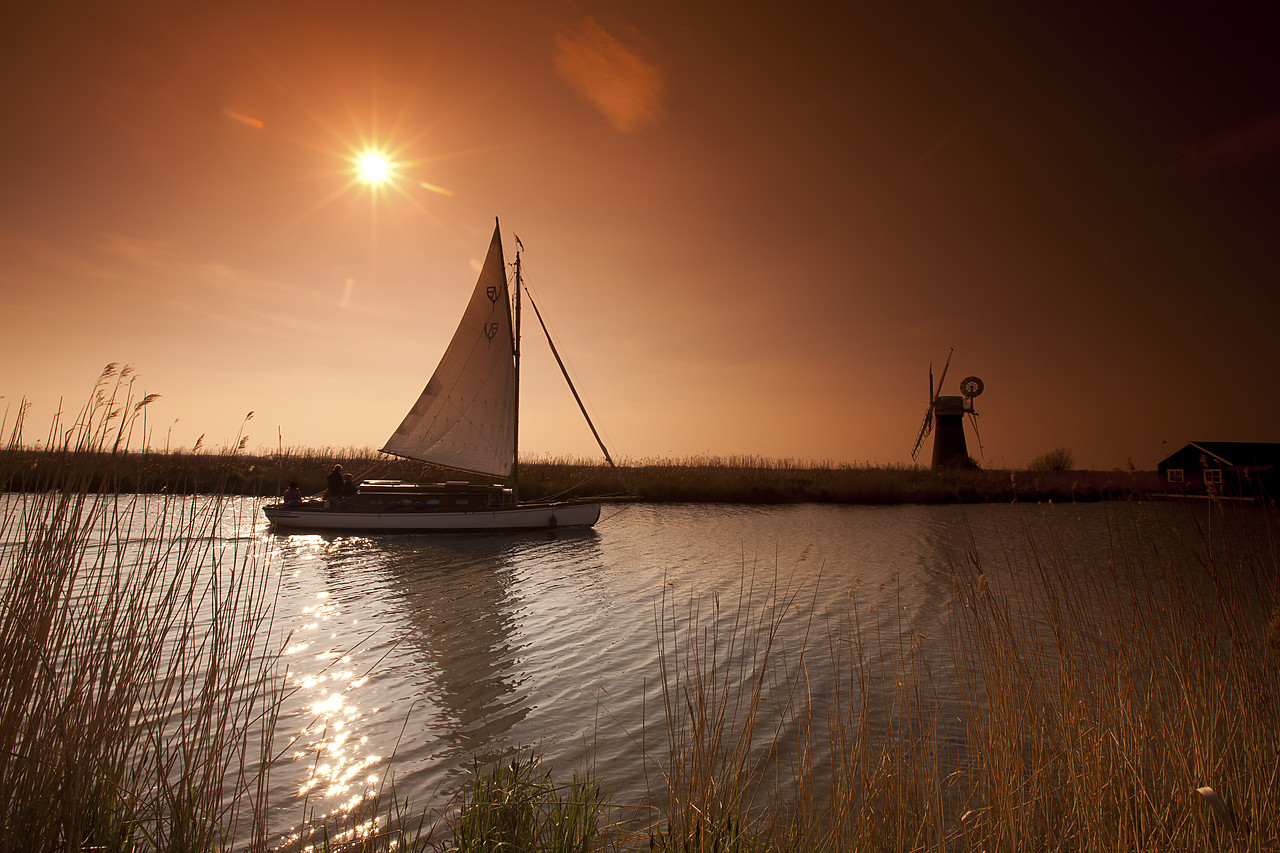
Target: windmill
[{"x": 946, "y": 414}]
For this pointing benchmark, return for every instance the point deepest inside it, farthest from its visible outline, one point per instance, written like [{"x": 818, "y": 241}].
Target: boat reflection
[
  {"x": 470, "y": 610},
  {"x": 457, "y": 609}
]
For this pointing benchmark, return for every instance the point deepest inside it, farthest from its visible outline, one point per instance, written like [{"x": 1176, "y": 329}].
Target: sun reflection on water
[{"x": 337, "y": 757}]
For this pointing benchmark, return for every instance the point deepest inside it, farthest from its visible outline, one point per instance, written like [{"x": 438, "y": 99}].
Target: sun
[{"x": 374, "y": 168}]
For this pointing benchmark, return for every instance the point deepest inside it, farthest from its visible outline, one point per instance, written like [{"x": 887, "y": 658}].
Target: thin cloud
[
  {"x": 608, "y": 75},
  {"x": 114, "y": 278}
]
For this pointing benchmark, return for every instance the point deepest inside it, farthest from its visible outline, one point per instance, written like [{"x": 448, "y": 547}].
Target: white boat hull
[{"x": 548, "y": 516}]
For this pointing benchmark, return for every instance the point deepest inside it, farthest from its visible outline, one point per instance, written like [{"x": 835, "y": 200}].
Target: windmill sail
[{"x": 466, "y": 416}]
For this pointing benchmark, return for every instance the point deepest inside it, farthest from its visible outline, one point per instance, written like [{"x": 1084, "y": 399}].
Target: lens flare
[{"x": 435, "y": 189}]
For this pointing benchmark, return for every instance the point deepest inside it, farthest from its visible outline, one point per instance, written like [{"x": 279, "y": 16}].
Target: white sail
[{"x": 466, "y": 416}]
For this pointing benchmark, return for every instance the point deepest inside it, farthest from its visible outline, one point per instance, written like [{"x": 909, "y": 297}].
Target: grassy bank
[
  {"x": 769, "y": 481},
  {"x": 709, "y": 480}
]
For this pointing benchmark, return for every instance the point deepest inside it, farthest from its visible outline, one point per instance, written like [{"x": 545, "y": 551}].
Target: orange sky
[{"x": 752, "y": 231}]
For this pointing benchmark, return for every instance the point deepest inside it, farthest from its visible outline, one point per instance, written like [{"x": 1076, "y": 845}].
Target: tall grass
[
  {"x": 736, "y": 710},
  {"x": 1116, "y": 695},
  {"x": 514, "y": 804},
  {"x": 1124, "y": 706},
  {"x": 138, "y": 684},
  {"x": 746, "y": 480}
]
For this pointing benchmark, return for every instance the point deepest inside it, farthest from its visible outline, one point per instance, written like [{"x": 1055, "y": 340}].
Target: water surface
[
  {"x": 426, "y": 652},
  {"x": 410, "y": 657}
]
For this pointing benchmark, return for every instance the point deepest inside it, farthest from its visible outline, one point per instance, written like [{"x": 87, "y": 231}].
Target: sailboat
[{"x": 466, "y": 419}]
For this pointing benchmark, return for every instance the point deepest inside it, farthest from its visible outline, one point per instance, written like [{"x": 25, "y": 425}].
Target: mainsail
[{"x": 466, "y": 416}]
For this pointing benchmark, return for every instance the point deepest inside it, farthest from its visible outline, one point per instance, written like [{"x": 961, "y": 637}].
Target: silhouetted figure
[
  {"x": 293, "y": 495},
  {"x": 333, "y": 484},
  {"x": 348, "y": 485}
]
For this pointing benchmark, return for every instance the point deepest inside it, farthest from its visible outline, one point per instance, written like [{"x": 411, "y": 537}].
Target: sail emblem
[
  {"x": 492, "y": 292},
  {"x": 491, "y": 331}
]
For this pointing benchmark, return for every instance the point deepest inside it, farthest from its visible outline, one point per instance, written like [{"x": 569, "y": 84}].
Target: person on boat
[
  {"x": 333, "y": 484},
  {"x": 293, "y": 495},
  {"x": 348, "y": 485}
]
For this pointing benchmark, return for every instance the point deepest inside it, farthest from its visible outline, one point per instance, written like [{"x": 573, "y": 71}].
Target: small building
[{"x": 1238, "y": 469}]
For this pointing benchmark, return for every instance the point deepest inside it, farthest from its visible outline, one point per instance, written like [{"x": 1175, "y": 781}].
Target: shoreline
[{"x": 709, "y": 480}]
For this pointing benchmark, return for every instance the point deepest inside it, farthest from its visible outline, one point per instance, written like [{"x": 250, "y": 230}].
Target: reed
[
  {"x": 1170, "y": 688},
  {"x": 743, "y": 480},
  {"x": 1131, "y": 706},
  {"x": 138, "y": 688},
  {"x": 514, "y": 804},
  {"x": 730, "y": 690}
]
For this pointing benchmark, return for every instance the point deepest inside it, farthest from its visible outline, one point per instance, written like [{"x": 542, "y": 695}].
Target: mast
[{"x": 515, "y": 340}]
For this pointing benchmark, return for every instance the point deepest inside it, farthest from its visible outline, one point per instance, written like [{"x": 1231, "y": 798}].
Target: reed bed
[
  {"x": 1125, "y": 706},
  {"x": 1132, "y": 707},
  {"x": 139, "y": 687},
  {"x": 765, "y": 481},
  {"x": 743, "y": 480}
]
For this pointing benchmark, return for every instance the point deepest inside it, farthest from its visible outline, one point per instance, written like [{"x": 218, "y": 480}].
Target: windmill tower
[{"x": 946, "y": 415}]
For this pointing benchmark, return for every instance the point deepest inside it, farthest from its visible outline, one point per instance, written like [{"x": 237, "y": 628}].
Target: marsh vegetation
[
  {"x": 732, "y": 480},
  {"x": 1066, "y": 700}
]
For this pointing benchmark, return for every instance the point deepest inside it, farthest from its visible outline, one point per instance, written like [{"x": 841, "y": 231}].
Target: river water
[
  {"x": 409, "y": 657},
  {"x": 422, "y": 653},
  {"x": 455, "y": 647}
]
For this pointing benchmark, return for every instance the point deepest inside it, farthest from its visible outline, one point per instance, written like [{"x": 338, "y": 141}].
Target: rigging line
[
  {"x": 595, "y": 471},
  {"x": 569, "y": 489},
  {"x": 583, "y": 408},
  {"x": 611, "y": 516}
]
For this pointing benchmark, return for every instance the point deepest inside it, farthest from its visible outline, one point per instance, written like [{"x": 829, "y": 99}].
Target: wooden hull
[{"x": 547, "y": 516}]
